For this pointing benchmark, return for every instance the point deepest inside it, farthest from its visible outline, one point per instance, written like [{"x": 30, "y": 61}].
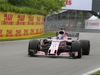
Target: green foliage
[
  {"x": 46, "y": 5},
  {"x": 31, "y": 6},
  {"x": 81, "y": 15},
  {"x": 97, "y": 73},
  {"x": 3, "y": 1},
  {"x": 11, "y": 8}
]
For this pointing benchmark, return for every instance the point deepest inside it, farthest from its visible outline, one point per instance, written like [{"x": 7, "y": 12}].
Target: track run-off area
[{"x": 15, "y": 61}]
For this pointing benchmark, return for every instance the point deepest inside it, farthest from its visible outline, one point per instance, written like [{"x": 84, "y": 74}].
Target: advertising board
[
  {"x": 78, "y": 5},
  {"x": 14, "y": 25},
  {"x": 92, "y": 24}
]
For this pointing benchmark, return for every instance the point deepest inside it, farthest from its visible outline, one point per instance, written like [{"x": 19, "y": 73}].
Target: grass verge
[
  {"x": 45, "y": 35},
  {"x": 97, "y": 73}
]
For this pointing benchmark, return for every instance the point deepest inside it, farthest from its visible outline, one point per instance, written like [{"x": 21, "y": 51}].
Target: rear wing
[{"x": 73, "y": 35}]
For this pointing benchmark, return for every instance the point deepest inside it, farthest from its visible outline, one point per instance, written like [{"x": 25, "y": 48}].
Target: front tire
[
  {"x": 33, "y": 47},
  {"x": 76, "y": 47}
]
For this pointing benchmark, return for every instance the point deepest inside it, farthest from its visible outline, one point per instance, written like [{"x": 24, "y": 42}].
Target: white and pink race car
[{"x": 63, "y": 44}]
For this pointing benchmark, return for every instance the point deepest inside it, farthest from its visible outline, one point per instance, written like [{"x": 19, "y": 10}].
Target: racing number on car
[{"x": 54, "y": 44}]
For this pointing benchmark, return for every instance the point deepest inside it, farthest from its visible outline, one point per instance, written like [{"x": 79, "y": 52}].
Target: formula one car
[{"x": 63, "y": 44}]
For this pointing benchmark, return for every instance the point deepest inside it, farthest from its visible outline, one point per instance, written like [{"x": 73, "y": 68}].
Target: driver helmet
[{"x": 60, "y": 36}]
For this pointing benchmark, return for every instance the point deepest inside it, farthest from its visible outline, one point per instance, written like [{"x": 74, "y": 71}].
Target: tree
[
  {"x": 45, "y": 5},
  {"x": 3, "y": 1}
]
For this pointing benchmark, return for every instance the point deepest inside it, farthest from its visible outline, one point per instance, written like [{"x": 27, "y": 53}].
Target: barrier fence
[
  {"x": 73, "y": 25},
  {"x": 14, "y": 25}
]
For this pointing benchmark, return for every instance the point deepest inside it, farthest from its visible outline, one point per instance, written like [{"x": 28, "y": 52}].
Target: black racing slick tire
[
  {"x": 33, "y": 47},
  {"x": 85, "y": 44},
  {"x": 76, "y": 47}
]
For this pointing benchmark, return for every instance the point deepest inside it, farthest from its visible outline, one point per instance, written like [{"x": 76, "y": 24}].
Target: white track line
[{"x": 91, "y": 72}]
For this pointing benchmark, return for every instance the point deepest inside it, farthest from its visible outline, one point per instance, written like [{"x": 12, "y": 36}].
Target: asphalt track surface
[{"x": 15, "y": 61}]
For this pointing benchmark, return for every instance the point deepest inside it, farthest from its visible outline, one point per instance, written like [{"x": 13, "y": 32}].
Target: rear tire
[
  {"x": 33, "y": 47},
  {"x": 85, "y": 44},
  {"x": 76, "y": 47}
]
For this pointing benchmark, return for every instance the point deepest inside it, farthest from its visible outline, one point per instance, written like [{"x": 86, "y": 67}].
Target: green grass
[
  {"x": 45, "y": 35},
  {"x": 97, "y": 73}
]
